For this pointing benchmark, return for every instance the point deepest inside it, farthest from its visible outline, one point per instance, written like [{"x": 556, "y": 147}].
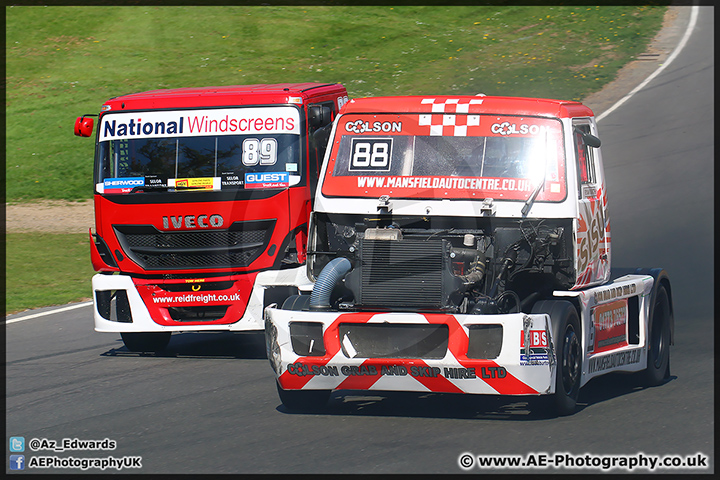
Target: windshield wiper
[
  {"x": 531, "y": 198},
  {"x": 539, "y": 186}
]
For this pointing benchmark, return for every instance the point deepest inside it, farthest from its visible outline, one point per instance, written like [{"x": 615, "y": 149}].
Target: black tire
[
  {"x": 567, "y": 340},
  {"x": 146, "y": 341},
  {"x": 658, "y": 363},
  {"x": 303, "y": 400}
]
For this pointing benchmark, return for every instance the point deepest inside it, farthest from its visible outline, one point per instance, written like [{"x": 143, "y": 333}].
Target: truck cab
[
  {"x": 202, "y": 198},
  {"x": 462, "y": 244}
]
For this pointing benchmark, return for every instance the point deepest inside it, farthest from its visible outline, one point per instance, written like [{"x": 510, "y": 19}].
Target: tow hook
[
  {"x": 384, "y": 205},
  {"x": 550, "y": 348},
  {"x": 527, "y": 324},
  {"x": 487, "y": 209}
]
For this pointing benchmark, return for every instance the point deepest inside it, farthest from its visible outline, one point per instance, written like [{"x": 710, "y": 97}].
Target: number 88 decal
[{"x": 371, "y": 154}]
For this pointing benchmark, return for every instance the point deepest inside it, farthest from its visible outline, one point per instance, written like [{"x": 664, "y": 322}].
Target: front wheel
[
  {"x": 146, "y": 341},
  {"x": 567, "y": 340},
  {"x": 658, "y": 363}
]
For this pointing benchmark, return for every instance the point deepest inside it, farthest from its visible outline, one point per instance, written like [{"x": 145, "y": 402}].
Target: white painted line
[
  {"x": 675, "y": 53},
  {"x": 50, "y": 312}
]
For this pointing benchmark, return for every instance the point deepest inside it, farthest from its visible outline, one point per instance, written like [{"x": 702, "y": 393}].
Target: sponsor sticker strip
[
  {"x": 609, "y": 326},
  {"x": 378, "y": 156},
  {"x": 249, "y": 181},
  {"x": 192, "y": 123}
]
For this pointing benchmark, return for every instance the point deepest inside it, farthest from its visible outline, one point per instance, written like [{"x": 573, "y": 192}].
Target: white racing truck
[{"x": 462, "y": 244}]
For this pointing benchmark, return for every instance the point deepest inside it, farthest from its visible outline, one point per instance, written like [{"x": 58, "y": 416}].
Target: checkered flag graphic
[{"x": 450, "y": 123}]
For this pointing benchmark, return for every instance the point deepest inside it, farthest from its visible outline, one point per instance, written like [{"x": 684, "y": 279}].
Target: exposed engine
[{"x": 440, "y": 264}]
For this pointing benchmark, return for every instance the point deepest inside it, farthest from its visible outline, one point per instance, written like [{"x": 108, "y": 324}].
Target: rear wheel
[
  {"x": 567, "y": 340},
  {"x": 146, "y": 341},
  {"x": 303, "y": 400},
  {"x": 658, "y": 363}
]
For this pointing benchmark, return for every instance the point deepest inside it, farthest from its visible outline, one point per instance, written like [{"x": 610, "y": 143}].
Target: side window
[
  {"x": 318, "y": 144},
  {"x": 585, "y": 158}
]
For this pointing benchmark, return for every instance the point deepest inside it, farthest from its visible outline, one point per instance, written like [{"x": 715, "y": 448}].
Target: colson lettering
[
  {"x": 192, "y": 221},
  {"x": 361, "y": 126},
  {"x": 507, "y": 128}
]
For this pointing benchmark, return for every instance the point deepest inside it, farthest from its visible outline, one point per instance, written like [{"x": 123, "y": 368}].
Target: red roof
[
  {"x": 474, "y": 104},
  {"x": 260, "y": 94}
]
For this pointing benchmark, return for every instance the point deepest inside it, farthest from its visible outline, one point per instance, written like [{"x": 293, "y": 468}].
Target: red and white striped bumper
[{"x": 519, "y": 355}]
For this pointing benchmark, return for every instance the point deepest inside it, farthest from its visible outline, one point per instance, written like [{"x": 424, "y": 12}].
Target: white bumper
[
  {"x": 336, "y": 365},
  {"x": 142, "y": 320}
]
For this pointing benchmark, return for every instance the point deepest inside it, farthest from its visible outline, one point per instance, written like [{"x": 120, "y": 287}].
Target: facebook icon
[{"x": 17, "y": 462}]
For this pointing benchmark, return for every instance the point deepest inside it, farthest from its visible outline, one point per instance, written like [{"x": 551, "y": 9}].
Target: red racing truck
[
  {"x": 461, "y": 244},
  {"x": 202, "y": 198}
]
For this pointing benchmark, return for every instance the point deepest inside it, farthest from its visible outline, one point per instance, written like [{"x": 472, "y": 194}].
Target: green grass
[
  {"x": 46, "y": 269},
  {"x": 62, "y": 62}
]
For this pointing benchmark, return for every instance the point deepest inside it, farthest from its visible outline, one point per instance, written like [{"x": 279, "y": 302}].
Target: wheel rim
[{"x": 571, "y": 360}]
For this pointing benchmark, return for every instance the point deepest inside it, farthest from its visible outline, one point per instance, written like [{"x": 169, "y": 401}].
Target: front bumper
[
  {"x": 123, "y": 305},
  {"x": 329, "y": 351}
]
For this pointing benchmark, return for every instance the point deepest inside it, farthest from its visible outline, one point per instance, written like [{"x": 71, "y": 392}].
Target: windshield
[
  {"x": 212, "y": 149},
  {"x": 447, "y": 156}
]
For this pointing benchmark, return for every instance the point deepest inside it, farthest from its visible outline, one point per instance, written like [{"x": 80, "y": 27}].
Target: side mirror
[
  {"x": 321, "y": 135},
  {"x": 319, "y": 116},
  {"x": 589, "y": 139},
  {"x": 84, "y": 126}
]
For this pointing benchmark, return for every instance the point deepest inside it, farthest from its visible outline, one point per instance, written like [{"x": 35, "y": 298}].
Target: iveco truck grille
[
  {"x": 208, "y": 313},
  {"x": 237, "y": 246},
  {"x": 403, "y": 273}
]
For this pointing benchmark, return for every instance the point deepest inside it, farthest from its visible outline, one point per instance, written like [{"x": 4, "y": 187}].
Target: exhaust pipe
[{"x": 330, "y": 276}]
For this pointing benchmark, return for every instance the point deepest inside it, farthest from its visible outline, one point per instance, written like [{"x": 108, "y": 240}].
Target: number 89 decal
[
  {"x": 263, "y": 151},
  {"x": 371, "y": 154}
]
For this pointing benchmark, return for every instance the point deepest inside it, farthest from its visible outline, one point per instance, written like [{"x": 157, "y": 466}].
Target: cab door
[{"x": 593, "y": 225}]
